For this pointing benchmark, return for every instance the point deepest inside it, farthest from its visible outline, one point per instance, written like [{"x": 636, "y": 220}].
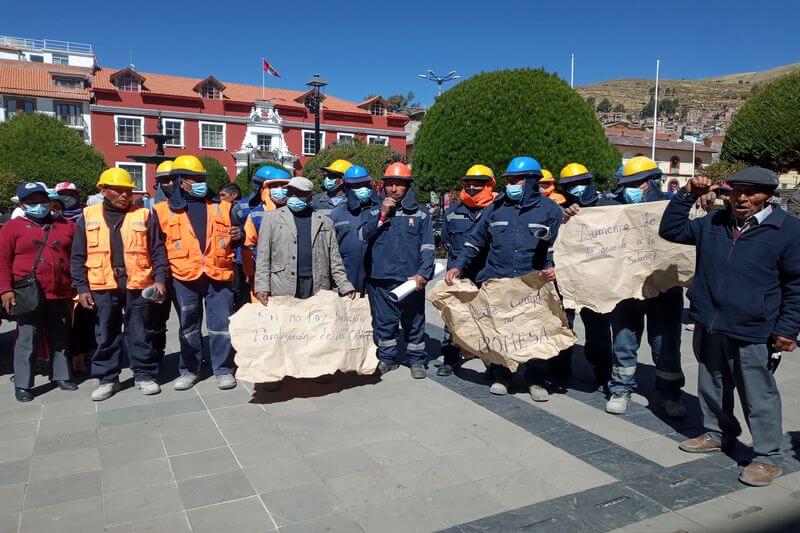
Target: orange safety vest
[
  {"x": 134, "y": 242},
  {"x": 186, "y": 261}
]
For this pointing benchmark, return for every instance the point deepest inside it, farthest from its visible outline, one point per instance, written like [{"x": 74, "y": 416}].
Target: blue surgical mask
[
  {"x": 577, "y": 190},
  {"x": 37, "y": 211},
  {"x": 633, "y": 195},
  {"x": 514, "y": 192},
  {"x": 278, "y": 193},
  {"x": 199, "y": 189},
  {"x": 329, "y": 184},
  {"x": 363, "y": 194},
  {"x": 297, "y": 204}
]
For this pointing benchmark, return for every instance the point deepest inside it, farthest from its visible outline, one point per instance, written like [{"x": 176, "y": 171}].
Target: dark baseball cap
[{"x": 26, "y": 189}]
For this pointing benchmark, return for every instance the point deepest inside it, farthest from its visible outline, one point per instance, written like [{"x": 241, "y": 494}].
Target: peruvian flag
[{"x": 268, "y": 69}]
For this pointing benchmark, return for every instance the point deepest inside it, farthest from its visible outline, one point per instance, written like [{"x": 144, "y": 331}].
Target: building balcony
[{"x": 46, "y": 44}]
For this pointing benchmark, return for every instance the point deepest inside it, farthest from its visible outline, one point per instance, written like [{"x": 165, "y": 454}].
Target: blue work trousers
[
  {"x": 387, "y": 316},
  {"x": 597, "y": 346},
  {"x": 218, "y": 298},
  {"x": 663, "y": 314}
]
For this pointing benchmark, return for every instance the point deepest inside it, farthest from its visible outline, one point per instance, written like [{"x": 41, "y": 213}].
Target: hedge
[{"x": 374, "y": 157}]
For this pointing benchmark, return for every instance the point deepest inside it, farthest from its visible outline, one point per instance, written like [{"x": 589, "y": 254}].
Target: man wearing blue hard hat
[
  {"x": 518, "y": 229},
  {"x": 361, "y": 203}
]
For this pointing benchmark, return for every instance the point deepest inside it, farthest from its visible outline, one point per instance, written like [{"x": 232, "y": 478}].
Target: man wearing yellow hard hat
[
  {"x": 333, "y": 188},
  {"x": 477, "y": 193},
  {"x": 116, "y": 254},
  {"x": 547, "y": 186},
  {"x": 200, "y": 234},
  {"x": 639, "y": 182}
]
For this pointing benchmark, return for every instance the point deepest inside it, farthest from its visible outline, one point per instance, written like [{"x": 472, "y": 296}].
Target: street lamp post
[
  {"x": 314, "y": 104},
  {"x": 249, "y": 147},
  {"x": 440, "y": 79}
]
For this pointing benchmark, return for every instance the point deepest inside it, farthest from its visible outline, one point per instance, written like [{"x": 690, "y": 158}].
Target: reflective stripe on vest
[
  {"x": 134, "y": 242},
  {"x": 186, "y": 260}
]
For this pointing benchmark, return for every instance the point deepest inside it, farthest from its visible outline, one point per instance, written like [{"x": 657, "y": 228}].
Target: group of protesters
[{"x": 127, "y": 264}]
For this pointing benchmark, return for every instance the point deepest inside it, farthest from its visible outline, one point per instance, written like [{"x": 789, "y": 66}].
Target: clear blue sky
[{"x": 363, "y": 47}]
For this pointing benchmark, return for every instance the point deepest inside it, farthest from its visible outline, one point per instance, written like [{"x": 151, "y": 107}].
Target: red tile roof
[{"x": 36, "y": 79}]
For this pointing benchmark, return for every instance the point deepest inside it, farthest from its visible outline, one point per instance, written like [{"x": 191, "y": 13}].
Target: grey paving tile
[
  {"x": 302, "y": 503},
  {"x": 274, "y": 449},
  {"x": 126, "y": 398},
  {"x": 19, "y": 430},
  {"x": 262, "y": 430},
  {"x": 131, "y": 452},
  {"x": 620, "y": 463},
  {"x": 519, "y": 489},
  {"x": 173, "y": 425},
  {"x": 125, "y": 415},
  {"x": 76, "y": 516},
  {"x": 203, "y": 463},
  {"x": 397, "y": 451},
  {"x": 461, "y": 503},
  {"x": 401, "y": 516},
  {"x": 480, "y": 464},
  {"x": 544, "y": 517},
  {"x": 62, "y": 442},
  {"x": 216, "y": 488},
  {"x": 335, "y": 523},
  {"x": 193, "y": 441},
  {"x": 367, "y": 487},
  {"x": 715, "y": 514},
  {"x": 78, "y": 406},
  {"x": 338, "y": 463},
  {"x": 62, "y": 489},
  {"x": 178, "y": 407},
  {"x": 670, "y": 489},
  {"x": 64, "y": 463},
  {"x": 11, "y": 497},
  {"x": 228, "y": 416},
  {"x": 237, "y": 396},
  {"x": 9, "y": 522},
  {"x": 17, "y": 449},
  {"x": 148, "y": 429},
  {"x": 282, "y": 474},
  {"x": 448, "y": 441},
  {"x": 67, "y": 424},
  {"x": 610, "y": 506},
  {"x": 240, "y": 516},
  {"x": 14, "y": 472},
  {"x": 173, "y": 523},
  {"x": 150, "y": 501},
  {"x": 20, "y": 413},
  {"x": 426, "y": 475},
  {"x": 133, "y": 476}
]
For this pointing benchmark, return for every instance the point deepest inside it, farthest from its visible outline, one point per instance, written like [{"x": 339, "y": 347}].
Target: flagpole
[
  {"x": 655, "y": 112},
  {"x": 572, "y": 72},
  {"x": 262, "y": 78}
]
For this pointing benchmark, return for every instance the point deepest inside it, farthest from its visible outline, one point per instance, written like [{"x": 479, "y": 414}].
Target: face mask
[
  {"x": 296, "y": 204},
  {"x": 278, "y": 193},
  {"x": 69, "y": 202},
  {"x": 363, "y": 194},
  {"x": 472, "y": 191},
  {"x": 633, "y": 195},
  {"x": 37, "y": 211},
  {"x": 329, "y": 184},
  {"x": 514, "y": 192},
  {"x": 577, "y": 190},
  {"x": 166, "y": 189},
  {"x": 199, "y": 189}
]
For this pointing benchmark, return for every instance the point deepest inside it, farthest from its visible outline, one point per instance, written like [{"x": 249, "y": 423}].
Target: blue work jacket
[
  {"x": 348, "y": 219},
  {"x": 323, "y": 203},
  {"x": 457, "y": 222}
]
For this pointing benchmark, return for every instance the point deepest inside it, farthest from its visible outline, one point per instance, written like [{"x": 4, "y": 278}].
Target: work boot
[
  {"x": 444, "y": 370},
  {"x": 418, "y": 371},
  {"x": 618, "y": 403},
  {"x": 148, "y": 387},
  {"x": 705, "y": 444},
  {"x": 225, "y": 381},
  {"x": 104, "y": 391},
  {"x": 66, "y": 385},
  {"x": 23, "y": 395},
  {"x": 499, "y": 388},
  {"x": 383, "y": 368},
  {"x": 538, "y": 393},
  {"x": 185, "y": 382},
  {"x": 758, "y": 474},
  {"x": 674, "y": 408}
]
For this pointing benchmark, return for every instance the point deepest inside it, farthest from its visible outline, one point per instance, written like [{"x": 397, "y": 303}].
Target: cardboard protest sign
[
  {"x": 303, "y": 338},
  {"x": 506, "y": 321},
  {"x": 604, "y": 255}
]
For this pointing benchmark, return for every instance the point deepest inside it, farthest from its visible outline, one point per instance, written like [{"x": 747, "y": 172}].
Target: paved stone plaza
[{"x": 377, "y": 454}]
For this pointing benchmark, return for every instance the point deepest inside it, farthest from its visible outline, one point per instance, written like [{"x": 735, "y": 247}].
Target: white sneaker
[
  {"x": 499, "y": 388},
  {"x": 226, "y": 381},
  {"x": 104, "y": 391},
  {"x": 618, "y": 403},
  {"x": 148, "y": 387},
  {"x": 689, "y": 327},
  {"x": 185, "y": 382},
  {"x": 538, "y": 393},
  {"x": 673, "y": 408}
]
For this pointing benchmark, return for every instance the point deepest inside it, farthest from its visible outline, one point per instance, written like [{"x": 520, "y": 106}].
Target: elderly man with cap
[
  {"x": 362, "y": 203},
  {"x": 200, "y": 234},
  {"x": 745, "y": 301},
  {"x": 476, "y": 195},
  {"x": 401, "y": 237},
  {"x": 333, "y": 193},
  {"x": 516, "y": 232},
  {"x": 38, "y": 244}
]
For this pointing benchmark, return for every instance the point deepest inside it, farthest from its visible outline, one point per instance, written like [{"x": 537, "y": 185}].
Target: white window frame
[
  {"x": 120, "y": 164},
  {"x": 258, "y": 146},
  {"x": 116, "y": 130},
  {"x": 371, "y": 138},
  {"x": 321, "y": 141},
  {"x": 181, "y": 144},
  {"x": 200, "y": 125},
  {"x": 63, "y": 59},
  {"x": 342, "y": 135}
]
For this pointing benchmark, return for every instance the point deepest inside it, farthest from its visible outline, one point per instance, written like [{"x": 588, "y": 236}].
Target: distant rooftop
[{"x": 46, "y": 44}]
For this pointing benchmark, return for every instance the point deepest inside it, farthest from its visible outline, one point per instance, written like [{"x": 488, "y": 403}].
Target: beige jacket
[{"x": 276, "y": 264}]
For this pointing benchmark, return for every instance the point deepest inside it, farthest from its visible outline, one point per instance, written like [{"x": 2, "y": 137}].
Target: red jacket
[{"x": 18, "y": 250}]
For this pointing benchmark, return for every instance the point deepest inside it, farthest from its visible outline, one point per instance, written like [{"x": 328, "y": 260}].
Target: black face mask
[
  {"x": 69, "y": 202},
  {"x": 472, "y": 191},
  {"x": 166, "y": 189}
]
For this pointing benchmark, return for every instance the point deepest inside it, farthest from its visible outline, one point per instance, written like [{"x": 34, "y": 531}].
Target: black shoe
[
  {"x": 23, "y": 395},
  {"x": 444, "y": 370},
  {"x": 386, "y": 367},
  {"x": 63, "y": 384}
]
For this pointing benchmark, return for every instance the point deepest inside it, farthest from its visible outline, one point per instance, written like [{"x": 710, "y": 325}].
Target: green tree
[
  {"x": 604, "y": 106},
  {"x": 217, "y": 176},
  {"x": 495, "y": 116},
  {"x": 720, "y": 171},
  {"x": 37, "y": 147},
  {"x": 619, "y": 108},
  {"x": 591, "y": 101},
  {"x": 766, "y": 130},
  {"x": 247, "y": 185},
  {"x": 397, "y": 102},
  {"x": 666, "y": 108},
  {"x": 374, "y": 157}
]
